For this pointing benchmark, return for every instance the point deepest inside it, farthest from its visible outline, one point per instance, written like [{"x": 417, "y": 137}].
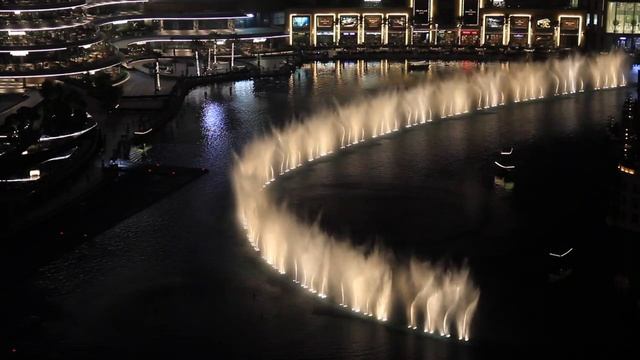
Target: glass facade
[{"x": 623, "y": 17}]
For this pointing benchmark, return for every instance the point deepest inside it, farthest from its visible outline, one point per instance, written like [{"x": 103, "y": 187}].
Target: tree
[
  {"x": 27, "y": 114},
  {"x": 48, "y": 89},
  {"x": 64, "y": 108}
]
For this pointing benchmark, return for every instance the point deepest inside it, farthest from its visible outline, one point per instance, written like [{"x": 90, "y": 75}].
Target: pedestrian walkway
[{"x": 142, "y": 84}]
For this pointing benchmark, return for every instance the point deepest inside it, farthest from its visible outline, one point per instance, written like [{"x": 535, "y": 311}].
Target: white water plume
[{"x": 437, "y": 299}]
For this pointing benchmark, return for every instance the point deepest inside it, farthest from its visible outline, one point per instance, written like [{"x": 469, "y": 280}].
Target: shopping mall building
[
  {"x": 621, "y": 23},
  {"x": 50, "y": 38},
  {"x": 53, "y": 38},
  {"x": 442, "y": 22}
]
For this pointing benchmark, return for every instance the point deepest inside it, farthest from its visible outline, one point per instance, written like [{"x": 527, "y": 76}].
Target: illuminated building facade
[
  {"x": 619, "y": 22},
  {"x": 520, "y": 24},
  {"x": 554, "y": 24},
  {"x": 57, "y": 38},
  {"x": 443, "y": 22},
  {"x": 532, "y": 28},
  {"x": 606, "y": 23},
  {"x": 347, "y": 27},
  {"x": 41, "y": 38}
]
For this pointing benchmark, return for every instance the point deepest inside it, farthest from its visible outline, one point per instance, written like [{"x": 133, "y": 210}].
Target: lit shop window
[{"x": 623, "y": 17}]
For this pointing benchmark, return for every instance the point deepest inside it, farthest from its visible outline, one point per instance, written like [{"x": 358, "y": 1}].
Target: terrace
[
  {"x": 68, "y": 62},
  {"x": 41, "y": 21},
  {"x": 39, "y": 5},
  {"x": 101, "y": 3},
  {"x": 53, "y": 40}
]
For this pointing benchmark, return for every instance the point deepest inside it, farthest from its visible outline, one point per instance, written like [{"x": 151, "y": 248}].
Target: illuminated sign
[
  {"x": 494, "y": 23},
  {"x": 397, "y": 22},
  {"x": 348, "y": 21},
  {"x": 543, "y": 24},
  {"x": 300, "y": 23},
  {"x": 627, "y": 170},
  {"x": 421, "y": 12},
  {"x": 372, "y": 22},
  {"x": 470, "y": 12},
  {"x": 569, "y": 24},
  {"x": 324, "y": 22},
  {"x": 519, "y": 22}
]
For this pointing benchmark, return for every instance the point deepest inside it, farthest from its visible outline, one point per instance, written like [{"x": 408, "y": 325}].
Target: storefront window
[
  {"x": 469, "y": 37},
  {"x": 623, "y": 17},
  {"x": 493, "y": 39},
  {"x": 447, "y": 37}
]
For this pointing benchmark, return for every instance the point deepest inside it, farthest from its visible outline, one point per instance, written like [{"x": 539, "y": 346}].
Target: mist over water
[{"x": 368, "y": 280}]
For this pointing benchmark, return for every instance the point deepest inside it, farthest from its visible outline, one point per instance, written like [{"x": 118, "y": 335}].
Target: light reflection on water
[{"x": 212, "y": 116}]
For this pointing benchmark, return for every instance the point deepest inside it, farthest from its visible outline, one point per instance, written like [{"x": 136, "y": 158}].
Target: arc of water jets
[{"x": 368, "y": 280}]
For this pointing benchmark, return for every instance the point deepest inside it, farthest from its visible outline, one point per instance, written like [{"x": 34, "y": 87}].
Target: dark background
[
  {"x": 285, "y": 4},
  {"x": 271, "y": 4}
]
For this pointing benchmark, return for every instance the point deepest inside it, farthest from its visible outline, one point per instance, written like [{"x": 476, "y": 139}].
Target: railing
[
  {"x": 40, "y": 5},
  {"x": 54, "y": 45},
  {"x": 72, "y": 69}
]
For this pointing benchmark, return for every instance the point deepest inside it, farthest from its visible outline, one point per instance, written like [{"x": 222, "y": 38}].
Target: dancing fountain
[{"x": 368, "y": 280}]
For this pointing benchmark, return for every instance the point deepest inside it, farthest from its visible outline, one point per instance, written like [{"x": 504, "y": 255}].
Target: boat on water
[
  {"x": 418, "y": 65},
  {"x": 506, "y": 151},
  {"x": 504, "y": 166},
  {"x": 560, "y": 263},
  {"x": 505, "y": 160}
]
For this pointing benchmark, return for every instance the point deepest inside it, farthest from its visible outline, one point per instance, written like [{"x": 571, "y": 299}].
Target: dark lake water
[{"x": 178, "y": 279}]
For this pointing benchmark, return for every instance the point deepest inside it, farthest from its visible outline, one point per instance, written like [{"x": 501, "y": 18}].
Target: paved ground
[{"x": 141, "y": 83}]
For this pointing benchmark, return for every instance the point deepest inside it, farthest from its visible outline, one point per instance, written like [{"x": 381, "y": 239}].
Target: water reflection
[{"x": 212, "y": 118}]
